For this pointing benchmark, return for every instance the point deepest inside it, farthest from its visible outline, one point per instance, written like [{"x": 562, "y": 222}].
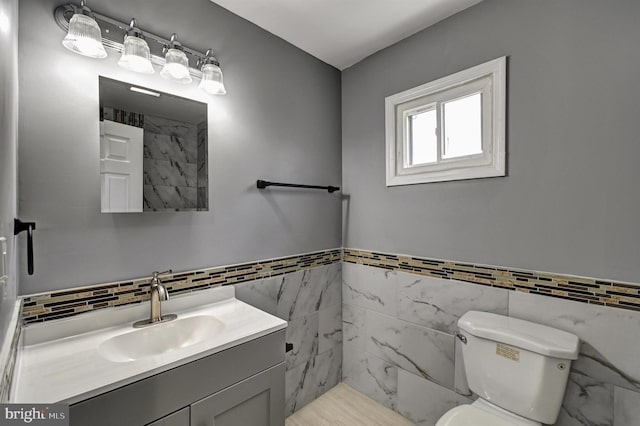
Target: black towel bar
[{"x": 261, "y": 184}]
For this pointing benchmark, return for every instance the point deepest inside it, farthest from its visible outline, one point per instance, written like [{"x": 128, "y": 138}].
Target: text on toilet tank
[{"x": 508, "y": 352}]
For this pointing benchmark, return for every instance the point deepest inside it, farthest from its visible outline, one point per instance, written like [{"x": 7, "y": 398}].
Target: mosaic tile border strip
[
  {"x": 579, "y": 289},
  {"x": 66, "y": 303}
]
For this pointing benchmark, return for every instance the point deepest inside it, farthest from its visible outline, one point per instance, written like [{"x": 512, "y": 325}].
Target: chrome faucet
[{"x": 158, "y": 294}]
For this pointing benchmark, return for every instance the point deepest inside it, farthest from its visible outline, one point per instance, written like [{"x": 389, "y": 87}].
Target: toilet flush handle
[{"x": 462, "y": 338}]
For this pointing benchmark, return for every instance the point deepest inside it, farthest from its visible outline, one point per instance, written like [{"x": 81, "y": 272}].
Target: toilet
[{"x": 518, "y": 369}]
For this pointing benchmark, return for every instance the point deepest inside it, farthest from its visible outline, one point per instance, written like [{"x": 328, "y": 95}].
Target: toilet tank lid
[{"x": 522, "y": 334}]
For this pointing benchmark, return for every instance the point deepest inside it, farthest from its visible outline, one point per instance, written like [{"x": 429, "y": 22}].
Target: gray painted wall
[
  {"x": 8, "y": 147},
  {"x": 280, "y": 121},
  {"x": 570, "y": 202}
]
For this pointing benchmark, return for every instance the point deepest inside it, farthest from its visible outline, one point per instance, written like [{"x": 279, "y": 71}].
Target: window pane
[
  {"x": 463, "y": 127},
  {"x": 423, "y": 141}
]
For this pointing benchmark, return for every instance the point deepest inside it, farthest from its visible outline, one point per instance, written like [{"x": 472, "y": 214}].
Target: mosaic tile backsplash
[
  {"x": 580, "y": 289},
  {"x": 120, "y": 116},
  {"x": 61, "y": 304}
]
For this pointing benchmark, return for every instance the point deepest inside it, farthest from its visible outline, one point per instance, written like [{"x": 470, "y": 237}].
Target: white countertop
[{"x": 60, "y": 361}]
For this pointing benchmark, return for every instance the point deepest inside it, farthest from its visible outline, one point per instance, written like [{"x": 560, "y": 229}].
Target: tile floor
[{"x": 344, "y": 406}]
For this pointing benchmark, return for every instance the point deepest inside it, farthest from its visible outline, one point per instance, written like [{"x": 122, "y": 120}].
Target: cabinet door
[
  {"x": 256, "y": 401},
  {"x": 179, "y": 418}
]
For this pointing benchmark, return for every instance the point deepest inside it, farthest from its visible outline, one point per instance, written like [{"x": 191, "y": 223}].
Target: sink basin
[{"x": 160, "y": 338}]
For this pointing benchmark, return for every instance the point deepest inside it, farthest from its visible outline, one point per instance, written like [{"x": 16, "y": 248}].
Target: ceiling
[{"x": 343, "y": 32}]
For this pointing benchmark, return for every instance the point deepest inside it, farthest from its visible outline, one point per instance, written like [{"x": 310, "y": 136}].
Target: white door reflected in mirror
[{"x": 121, "y": 148}]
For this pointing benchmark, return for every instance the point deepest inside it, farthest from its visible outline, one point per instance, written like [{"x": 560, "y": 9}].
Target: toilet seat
[
  {"x": 468, "y": 415},
  {"x": 482, "y": 413}
]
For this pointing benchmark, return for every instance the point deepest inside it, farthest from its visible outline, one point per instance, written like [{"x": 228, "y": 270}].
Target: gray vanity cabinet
[
  {"x": 179, "y": 418},
  {"x": 240, "y": 386},
  {"x": 256, "y": 401}
]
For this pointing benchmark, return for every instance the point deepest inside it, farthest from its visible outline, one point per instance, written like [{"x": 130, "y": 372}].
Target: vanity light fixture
[
  {"x": 84, "y": 36},
  {"x": 176, "y": 65},
  {"x": 212, "y": 81},
  {"x": 88, "y": 33},
  {"x": 136, "y": 55}
]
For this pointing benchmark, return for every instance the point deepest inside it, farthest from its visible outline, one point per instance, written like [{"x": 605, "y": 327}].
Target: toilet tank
[{"x": 517, "y": 365}]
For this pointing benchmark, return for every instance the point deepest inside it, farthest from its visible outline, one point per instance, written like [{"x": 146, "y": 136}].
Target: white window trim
[{"x": 489, "y": 164}]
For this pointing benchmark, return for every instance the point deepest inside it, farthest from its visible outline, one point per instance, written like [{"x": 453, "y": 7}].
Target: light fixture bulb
[
  {"x": 84, "y": 36},
  {"x": 176, "y": 66},
  {"x": 212, "y": 81},
  {"x": 136, "y": 55}
]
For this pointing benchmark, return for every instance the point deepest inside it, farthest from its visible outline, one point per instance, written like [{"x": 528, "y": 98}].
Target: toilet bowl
[{"x": 518, "y": 369}]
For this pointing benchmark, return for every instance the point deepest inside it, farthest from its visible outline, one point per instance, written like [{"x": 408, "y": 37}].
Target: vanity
[{"x": 220, "y": 362}]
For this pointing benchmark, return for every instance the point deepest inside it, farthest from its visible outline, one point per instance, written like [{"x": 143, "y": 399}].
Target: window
[{"x": 449, "y": 129}]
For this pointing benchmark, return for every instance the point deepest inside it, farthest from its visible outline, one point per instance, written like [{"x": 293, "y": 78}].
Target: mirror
[{"x": 153, "y": 150}]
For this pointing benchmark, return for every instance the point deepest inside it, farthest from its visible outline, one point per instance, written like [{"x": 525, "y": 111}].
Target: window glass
[
  {"x": 423, "y": 140},
  {"x": 462, "y": 127}
]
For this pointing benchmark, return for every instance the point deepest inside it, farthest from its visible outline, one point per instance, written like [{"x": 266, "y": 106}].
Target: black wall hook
[{"x": 18, "y": 227}]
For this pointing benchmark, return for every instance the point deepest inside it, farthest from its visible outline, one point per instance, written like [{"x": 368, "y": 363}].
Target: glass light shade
[
  {"x": 212, "y": 80},
  {"x": 176, "y": 67},
  {"x": 84, "y": 37},
  {"x": 136, "y": 55}
]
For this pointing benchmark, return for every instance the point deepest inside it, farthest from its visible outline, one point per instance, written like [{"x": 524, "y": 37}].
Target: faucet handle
[{"x": 157, "y": 275}]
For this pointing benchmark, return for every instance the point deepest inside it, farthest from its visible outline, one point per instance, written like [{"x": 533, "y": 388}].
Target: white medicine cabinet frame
[{"x": 452, "y": 128}]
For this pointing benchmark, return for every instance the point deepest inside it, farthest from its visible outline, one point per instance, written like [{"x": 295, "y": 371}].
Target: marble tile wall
[
  {"x": 626, "y": 406},
  {"x": 608, "y": 363},
  {"x": 170, "y": 164},
  {"x": 399, "y": 348},
  {"x": 202, "y": 162},
  {"x": 311, "y": 301}
]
